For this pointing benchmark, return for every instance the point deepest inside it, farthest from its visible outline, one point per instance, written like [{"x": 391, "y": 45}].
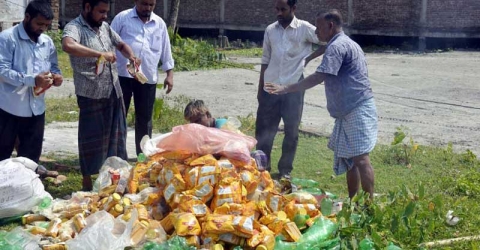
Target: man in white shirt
[
  {"x": 287, "y": 48},
  {"x": 147, "y": 35}
]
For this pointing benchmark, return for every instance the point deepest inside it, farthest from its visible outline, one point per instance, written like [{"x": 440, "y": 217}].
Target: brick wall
[
  {"x": 382, "y": 16},
  {"x": 454, "y": 15},
  {"x": 386, "y": 14}
]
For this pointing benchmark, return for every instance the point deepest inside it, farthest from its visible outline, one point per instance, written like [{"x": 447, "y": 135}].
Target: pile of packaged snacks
[{"x": 212, "y": 203}]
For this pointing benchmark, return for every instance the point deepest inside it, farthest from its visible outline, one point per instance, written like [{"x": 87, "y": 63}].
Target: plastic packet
[
  {"x": 104, "y": 178},
  {"x": 204, "y": 192},
  {"x": 219, "y": 224},
  {"x": 249, "y": 180},
  {"x": 229, "y": 190},
  {"x": 186, "y": 224},
  {"x": 100, "y": 65},
  {"x": 301, "y": 198},
  {"x": 275, "y": 201}
]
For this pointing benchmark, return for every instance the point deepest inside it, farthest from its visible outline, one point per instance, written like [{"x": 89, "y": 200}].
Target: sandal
[{"x": 44, "y": 173}]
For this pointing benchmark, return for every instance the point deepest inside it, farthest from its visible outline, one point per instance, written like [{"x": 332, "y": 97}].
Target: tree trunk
[{"x": 173, "y": 15}]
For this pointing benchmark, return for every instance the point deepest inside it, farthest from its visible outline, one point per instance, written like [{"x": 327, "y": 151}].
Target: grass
[
  {"x": 64, "y": 65},
  {"x": 61, "y": 110},
  {"x": 251, "y": 52},
  {"x": 453, "y": 177}
]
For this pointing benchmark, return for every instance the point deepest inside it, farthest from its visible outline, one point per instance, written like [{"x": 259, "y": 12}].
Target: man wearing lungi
[
  {"x": 349, "y": 100},
  {"x": 91, "y": 44}
]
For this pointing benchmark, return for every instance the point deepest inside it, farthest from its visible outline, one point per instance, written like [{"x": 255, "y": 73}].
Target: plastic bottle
[
  {"x": 319, "y": 232},
  {"x": 45, "y": 203},
  {"x": 20, "y": 239},
  {"x": 392, "y": 246},
  {"x": 366, "y": 244},
  {"x": 9, "y": 220},
  {"x": 284, "y": 245},
  {"x": 305, "y": 183},
  {"x": 141, "y": 157}
]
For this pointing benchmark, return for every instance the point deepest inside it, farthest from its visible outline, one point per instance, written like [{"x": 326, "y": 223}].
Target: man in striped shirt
[{"x": 147, "y": 34}]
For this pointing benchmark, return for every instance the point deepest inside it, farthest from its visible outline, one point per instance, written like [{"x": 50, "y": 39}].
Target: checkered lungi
[
  {"x": 354, "y": 135},
  {"x": 101, "y": 131}
]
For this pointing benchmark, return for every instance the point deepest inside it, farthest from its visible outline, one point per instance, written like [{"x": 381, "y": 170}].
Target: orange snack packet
[
  {"x": 186, "y": 224},
  {"x": 219, "y": 224}
]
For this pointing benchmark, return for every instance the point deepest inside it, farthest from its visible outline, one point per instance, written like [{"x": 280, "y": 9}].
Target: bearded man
[{"x": 91, "y": 44}]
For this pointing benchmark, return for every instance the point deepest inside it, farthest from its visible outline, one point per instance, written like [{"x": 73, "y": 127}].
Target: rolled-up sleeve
[{"x": 267, "y": 48}]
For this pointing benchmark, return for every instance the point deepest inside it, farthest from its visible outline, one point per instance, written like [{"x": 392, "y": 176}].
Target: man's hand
[
  {"x": 43, "y": 80},
  {"x": 57, "y": 80},
  {"x": 135, "y": 61},
  {"x": 275, "y": 89},
  {"x": 168, "y": 84},
  {"x": 109, "y": 57}
]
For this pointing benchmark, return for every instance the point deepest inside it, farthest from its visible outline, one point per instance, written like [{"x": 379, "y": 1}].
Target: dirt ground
[{"x": 436, "y": 96}]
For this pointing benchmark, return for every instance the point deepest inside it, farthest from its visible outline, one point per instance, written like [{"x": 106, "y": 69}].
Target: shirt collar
[
  {"x": 85, "y": 23},
  {"x": 293, "y": 24},
  {"x": 341, "y": 33},
  {"x": 23, "y": 34},
  {"x": 134, "y": 14}
]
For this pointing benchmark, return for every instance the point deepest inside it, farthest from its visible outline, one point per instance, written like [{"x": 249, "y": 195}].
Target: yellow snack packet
[
  {"x": 175, "y": 186},
  {"x": 208, "y": 173},
  {"x": 292, "y": 209},
  {"x": 275, "y": 201},
  {"x": 189, "y": 204},
  {"x": 167, "y": 223},
  {"x": 249, "y": 181},
  {"x": 229, "y": 208},
  {"x": 266, "y": 182},
  {"x": 154, "y": 173},
  {"x": 229, "y": 190},
  {"x": 230, "y": 238},
  {"x": 186, "y": 224},
  {"x": 277, "y": 226},
  {"x": 204, "y": 192},
  {"x": 302, "y": 198},
  {"x": 204, "y": 160},
  {"x": 224, "y": 163},
  {"x": 219, "y": 224},
  {"x": 191, "y": 177},
  {"x": 168, "y": 172},
  {"x": 292, "y": 231},
  {"x": 243, "y": 226},
  {"x": 178, "y": 156},
  {"x": 138, "y": 172},
  {"x": 100, "y": 65}
]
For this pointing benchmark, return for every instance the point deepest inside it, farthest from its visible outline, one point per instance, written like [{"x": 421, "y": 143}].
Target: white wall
[{"x": 12, "y": 10}]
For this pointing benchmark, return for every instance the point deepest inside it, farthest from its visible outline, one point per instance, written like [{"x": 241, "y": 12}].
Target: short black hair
[
  {"x": 40, "y": 7},
  {"x": 332, "y": 15},
  {"x": 93, "y": 3},
  {"x": 291, "y": 3}
]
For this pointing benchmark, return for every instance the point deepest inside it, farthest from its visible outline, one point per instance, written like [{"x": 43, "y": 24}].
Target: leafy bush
[
  {"x": 57, "y": 39},
  {"x": 192, "y": 54}
]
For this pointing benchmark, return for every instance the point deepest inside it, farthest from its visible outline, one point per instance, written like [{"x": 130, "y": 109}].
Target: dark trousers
[
  {"x": 143, "y": 100},
  {"x": 29, "y": 131},
  {"x": 272, "y": 108}
]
